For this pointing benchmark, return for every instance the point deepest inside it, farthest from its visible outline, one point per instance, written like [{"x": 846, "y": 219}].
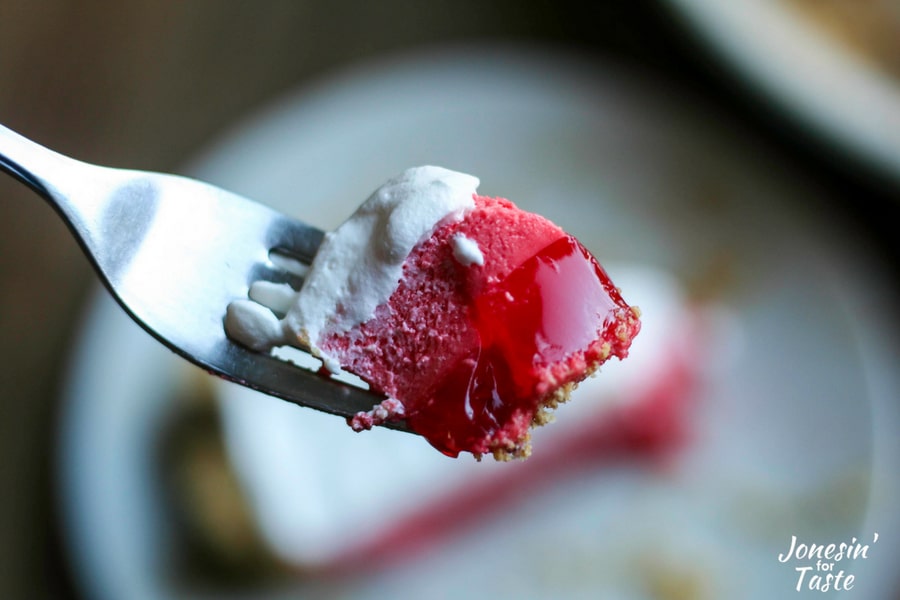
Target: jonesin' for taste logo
[{"x": 821, "y": 566}]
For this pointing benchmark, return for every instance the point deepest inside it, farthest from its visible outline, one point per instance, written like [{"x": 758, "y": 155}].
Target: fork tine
[
  {"x": 296, "y": 384},
  {"x": 294, "y": 238},
  {"x": 265, "y": 272}
]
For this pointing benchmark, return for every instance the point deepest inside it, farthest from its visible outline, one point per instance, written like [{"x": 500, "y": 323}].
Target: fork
[{"x": 174, "y": 252}]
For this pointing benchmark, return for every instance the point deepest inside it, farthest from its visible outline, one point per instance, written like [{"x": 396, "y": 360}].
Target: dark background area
[{"x": 145, "y": 84}]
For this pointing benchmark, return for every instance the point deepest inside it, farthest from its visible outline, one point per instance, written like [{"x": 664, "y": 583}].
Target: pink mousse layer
[{"x": 473, "y": 356}]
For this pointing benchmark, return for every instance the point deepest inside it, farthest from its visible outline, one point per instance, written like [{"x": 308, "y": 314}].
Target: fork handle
[
  {"x": 28, "y": 161},
  {"x": 58, "y": 179},
  {"x": 52, "y": 175}
]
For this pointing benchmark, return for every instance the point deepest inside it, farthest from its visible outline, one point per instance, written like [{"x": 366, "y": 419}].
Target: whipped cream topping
[
  {"x": 466, "y": 251},
  {"x": 359, "y": 264}
]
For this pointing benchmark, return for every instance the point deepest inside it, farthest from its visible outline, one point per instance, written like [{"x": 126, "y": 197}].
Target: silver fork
[{"x": 174, "y": 252}]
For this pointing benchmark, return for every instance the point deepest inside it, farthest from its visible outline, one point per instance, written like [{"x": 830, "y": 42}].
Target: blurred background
[{"x": 148, "y": 84}]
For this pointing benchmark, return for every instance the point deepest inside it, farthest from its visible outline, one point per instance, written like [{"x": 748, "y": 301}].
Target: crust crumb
[{"x": 508, "y": 450}]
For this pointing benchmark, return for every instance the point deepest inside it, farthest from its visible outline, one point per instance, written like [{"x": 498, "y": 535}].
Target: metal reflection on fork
[{"x": 174, "y": 252}]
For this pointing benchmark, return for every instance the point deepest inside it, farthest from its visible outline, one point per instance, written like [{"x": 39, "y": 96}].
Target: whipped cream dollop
[
  {"x": 466, "y": 251},
  {"x": 357, "y": 267}
]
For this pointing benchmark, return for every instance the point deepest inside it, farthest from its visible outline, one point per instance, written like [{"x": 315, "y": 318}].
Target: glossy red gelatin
[
  {"x": 476, "y": 353},
  {"x": 545, "y": 313}
]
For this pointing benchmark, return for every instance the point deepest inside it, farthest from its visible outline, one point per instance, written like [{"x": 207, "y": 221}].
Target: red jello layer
[{"x": 476, "y": 354}]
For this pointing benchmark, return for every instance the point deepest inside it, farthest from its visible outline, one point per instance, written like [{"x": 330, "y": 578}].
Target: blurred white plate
[
  {"x": 806, "y": 72},
  {"x": 796, "y": 429}
]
